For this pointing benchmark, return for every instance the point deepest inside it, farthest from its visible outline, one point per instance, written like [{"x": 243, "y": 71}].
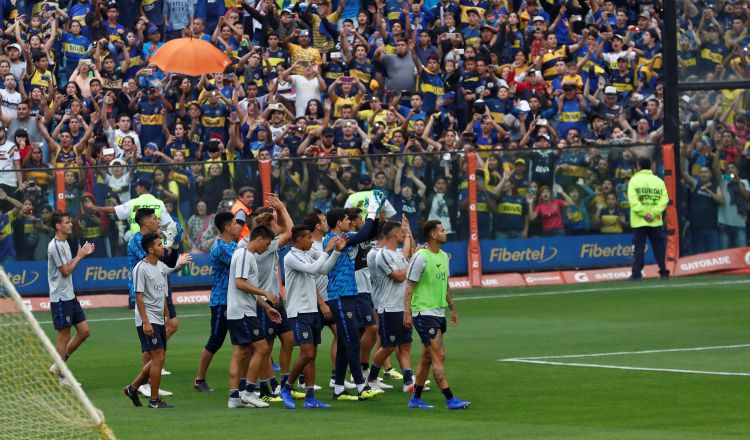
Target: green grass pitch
[{"x": 510, "y": 399}]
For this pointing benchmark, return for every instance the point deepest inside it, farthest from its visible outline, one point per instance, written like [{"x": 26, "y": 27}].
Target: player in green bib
[{"x": 427, "y": 295}]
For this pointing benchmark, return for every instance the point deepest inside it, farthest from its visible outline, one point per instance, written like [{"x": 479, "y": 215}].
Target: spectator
[
  {"x": 732, "y": 215},
  {"x": 705, "y": 197}
]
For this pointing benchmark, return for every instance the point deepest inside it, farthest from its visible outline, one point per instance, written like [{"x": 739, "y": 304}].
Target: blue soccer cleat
[
  {"x": 286, "y": 396},
  {"x": 418, "y": 404},
  {"x": 311, "y": 402},
  {"x": 275, "y": 366},
  {"x": 455, "y": 403}
]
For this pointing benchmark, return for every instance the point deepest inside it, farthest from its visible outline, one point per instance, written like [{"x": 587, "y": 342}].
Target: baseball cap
[
  {"x": 545, "y": 136},
  {"x": 328, "y": 131},
  {"x": 523, "y": 106},
  {"x": 365, "y": 180},
  {"x": 537, "y": 18},
  {"x": 286, "y": 11},
  {"x": 114, "y": 162},
  {"x": 152, "y": 146},
  {"x": 152, "y": 30},
  {"x": 15, "y": 46},
  {"x": 144, "y": 182},
  {"x": 520, "y": 160},
  {"x": 610, "y": 90},
  {"x": 644, "y": 14}
]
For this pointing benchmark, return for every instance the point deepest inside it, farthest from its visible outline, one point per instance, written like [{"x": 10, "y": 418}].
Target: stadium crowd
[{"x": 350, "y": 96}]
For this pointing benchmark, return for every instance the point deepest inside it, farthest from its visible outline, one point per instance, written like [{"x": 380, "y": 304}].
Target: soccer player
[
  {"x": 247, "y": 333},
  {"x": 388, "y": 268},
  {"x": 303, "y": 301},
  {"x": 317, "y": 223},
  {"x": 65, "y": 308},
  {"x": 221, "y": 259},
  {"x": 148, "y": 222},
  {"x": 277, "y": 219},
  {"x": 427, "y": 294},
  {"x": 342, "y": 298},
  {"x": 366, "y": 322},
  {"x": 152, "y": 316}
]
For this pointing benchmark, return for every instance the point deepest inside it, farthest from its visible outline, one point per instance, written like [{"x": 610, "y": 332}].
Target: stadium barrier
[{"x": 110, "y": 275}]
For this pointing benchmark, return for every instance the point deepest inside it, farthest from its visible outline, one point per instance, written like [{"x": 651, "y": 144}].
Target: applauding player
[
  {"x": 388, "y": 268},
  {"x": 247, "y": 333},
  {"x": 303, "y": 300}
]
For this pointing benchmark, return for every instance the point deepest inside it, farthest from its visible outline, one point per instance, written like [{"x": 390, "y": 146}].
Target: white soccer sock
[
  {"x": 361, "y": 386},
  {"x": 338, "y": 389}
]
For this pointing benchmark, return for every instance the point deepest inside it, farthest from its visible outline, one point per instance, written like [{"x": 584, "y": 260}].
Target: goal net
[{"x": 35, "y": 404}]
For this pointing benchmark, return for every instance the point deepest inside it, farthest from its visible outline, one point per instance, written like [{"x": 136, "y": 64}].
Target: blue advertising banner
[
  {"x": 546, "y": 253},
  {"x": 105, "y": 275}
]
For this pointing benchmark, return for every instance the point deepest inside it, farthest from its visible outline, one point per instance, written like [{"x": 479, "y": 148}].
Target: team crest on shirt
[
  {"x": 349, "y": 315},
  {"x": 393, "y": 338},
  {"x": 154, "y": 341},
  {"x": 256, "y": 332},
  {"x": 305, "y": 334},
  {"x": 432, "y": 331},
  {"x": 67, "y": 318}
]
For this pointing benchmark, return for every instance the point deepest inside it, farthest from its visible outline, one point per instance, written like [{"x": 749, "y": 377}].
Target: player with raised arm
[
  {"x": 342, "y": 298},
  {"x": 317, "y": 223},
  {"x": 248, "y": 335},
  {"x": 277, "y": 219},
  {"x": 148, "y": 222},
  {"x": 365, "y": 310},
  {"x": 303, "y": 300},
  {"x": 427, "y": 294},
  {"x": 388, "y": 267},
  {"x": 65, "y": 308},
  {"x": 152, "y": 316},
  {"x": 220, "y": 258}
]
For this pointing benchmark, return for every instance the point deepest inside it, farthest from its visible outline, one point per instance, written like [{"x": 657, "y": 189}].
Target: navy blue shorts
[
  {"x": 306, "y": 327},
  {"x": 245, "y": 331},
  {"x": 268, "y": 327},
  {"x": 155, "y": 342},
  {"x": 428, "y": 327},
  {"x": 66, "y": 314},
  {"x": 278, "y": 329},
  {"x": 365, "y": 310},
  {"x": 219, "y": 328},
  {"x": 392, "y": 330}
]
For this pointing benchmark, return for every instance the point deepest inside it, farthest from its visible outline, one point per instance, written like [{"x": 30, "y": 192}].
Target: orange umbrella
[{"x": 190, "y": 56}]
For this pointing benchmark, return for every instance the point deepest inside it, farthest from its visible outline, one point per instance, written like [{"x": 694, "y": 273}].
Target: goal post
[{"x": 36, "y": 405}]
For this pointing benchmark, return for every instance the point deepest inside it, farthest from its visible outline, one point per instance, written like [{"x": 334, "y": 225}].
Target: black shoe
[
  {"x": 158, "y": 403},
  {"x": 202, "y": 387},
  {"x": 133, "y": 395},
  {"x": 664, "y": 277},
  {"x": 632, "y": 278}
]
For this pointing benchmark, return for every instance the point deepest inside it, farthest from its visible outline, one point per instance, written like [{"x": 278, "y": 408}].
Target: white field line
[
  {"x": 615, "y": 353},
  {"x": 639, "y": 286},
  {"x": 619, "y": 367}
]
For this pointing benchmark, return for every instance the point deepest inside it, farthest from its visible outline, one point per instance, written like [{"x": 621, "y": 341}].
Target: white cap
[
  {"x": 523, "y": 106},
  {"x": 610, "y": 90},
  {"x": 502, "y": 83},
  {"x": 537, "y": 18}
]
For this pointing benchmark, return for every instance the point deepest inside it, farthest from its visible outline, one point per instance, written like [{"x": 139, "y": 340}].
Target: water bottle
[{"x": 186, "y": 270}]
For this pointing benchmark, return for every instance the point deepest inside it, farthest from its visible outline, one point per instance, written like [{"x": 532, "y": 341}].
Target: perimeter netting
[{"x": 34, "y": 403}]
